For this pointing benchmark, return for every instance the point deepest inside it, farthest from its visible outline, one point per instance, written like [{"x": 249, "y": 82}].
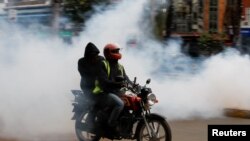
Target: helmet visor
[{"x": 115, "y": 51}]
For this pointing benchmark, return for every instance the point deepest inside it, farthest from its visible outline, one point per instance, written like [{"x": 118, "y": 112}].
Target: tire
[
  {"x": 80, "y": 133},
  {"x": 162, "y": 128}
]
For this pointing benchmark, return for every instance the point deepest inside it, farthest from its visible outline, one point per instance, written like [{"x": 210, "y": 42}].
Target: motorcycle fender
[
  {"x": 156, "y": 116},
  {"x": 150, "y": 116}
]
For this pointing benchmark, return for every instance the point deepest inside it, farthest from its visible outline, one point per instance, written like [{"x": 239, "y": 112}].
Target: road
[
  {"x": 182, "y": 130},
  {"x": 196, "y": 129}
]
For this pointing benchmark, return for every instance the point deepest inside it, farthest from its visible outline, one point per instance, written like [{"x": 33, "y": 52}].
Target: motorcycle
[{"x": 135, "y": 122}]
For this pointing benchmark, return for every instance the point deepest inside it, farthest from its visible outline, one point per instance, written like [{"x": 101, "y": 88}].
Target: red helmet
[{"x": 111, "y": 51}]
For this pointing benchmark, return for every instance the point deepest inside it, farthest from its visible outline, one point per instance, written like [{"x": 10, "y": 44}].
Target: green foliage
[
  {"x": 205, "y": 39},
  {"x": 209, "y": 44}
]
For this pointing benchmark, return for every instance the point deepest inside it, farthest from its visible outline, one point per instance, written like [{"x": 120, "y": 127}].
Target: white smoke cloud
[
  {"x": 37, "y": 73},
  {"x": 222, "y": 84},
  {"x": 36, "y": 76}
]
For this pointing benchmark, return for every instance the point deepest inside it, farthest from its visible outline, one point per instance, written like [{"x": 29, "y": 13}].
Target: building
[
  {"x": 2, "y": 11},
  {"x": 244, "y": 41},
  {"x": 26, "y": 12},
  {"x": 245, "y": 22},
  {"x": 210, "y": 16},
  {"x": 188, "y": 19},
  {"x": 182, "y": 13},
  {"x": 214, "y": 11},
  {"x": 34, "y": 13},
  {"x": 30, "y": 12},
  {"x": 232, "y": 20},
  {"x": 187, "y": 22},
  {"x": 220, "y": 19}
]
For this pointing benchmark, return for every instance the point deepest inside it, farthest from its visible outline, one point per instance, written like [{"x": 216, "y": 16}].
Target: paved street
[
  {"x": 196, "y": 130},
  {"x": 182, "y": 130}
]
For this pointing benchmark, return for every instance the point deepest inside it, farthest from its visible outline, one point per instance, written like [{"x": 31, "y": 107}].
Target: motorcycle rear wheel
[
  {"x": 161, "y": 129},
  {"x": 80, "y": 133}
]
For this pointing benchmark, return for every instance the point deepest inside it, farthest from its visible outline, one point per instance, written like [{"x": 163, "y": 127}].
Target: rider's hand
[
  {"x": 136, "y": 85},
  {"x": 120, "y": 84}
]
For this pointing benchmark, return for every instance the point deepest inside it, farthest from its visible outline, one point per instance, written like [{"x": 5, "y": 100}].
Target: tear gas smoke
[
  {"x": 36, "y": 76},
  {"x": 37, "y": 73}
]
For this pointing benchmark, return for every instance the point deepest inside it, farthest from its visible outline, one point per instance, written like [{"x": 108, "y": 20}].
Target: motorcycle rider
[{"x": 110, "y": 81}]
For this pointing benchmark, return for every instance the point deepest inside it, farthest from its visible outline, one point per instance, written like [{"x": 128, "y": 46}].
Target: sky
[{"x": 38, "y": 72}]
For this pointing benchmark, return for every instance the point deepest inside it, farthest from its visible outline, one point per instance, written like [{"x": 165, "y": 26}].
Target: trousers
[{"x": 115, "y": 103}]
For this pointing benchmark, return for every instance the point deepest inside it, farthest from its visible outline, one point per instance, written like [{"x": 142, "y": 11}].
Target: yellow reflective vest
[{"x": 98, "y": 89}]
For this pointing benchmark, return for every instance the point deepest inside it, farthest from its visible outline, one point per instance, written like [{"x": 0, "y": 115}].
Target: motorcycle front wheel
[
  {"x": 81, "y": 129},
  {"x": 159, "y": 130}
]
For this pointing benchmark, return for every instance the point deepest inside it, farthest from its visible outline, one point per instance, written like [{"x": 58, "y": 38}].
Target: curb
[{"x": 240, "y": 113}]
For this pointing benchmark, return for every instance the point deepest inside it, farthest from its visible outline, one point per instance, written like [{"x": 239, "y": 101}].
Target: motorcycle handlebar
[
  {"x": 135, "y": 87},
  {"x": 135, "y": 80}
]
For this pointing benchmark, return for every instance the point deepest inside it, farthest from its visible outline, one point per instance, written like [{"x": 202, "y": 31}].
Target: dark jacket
[
  {"x": 108, "y": 83},
  {"x": 88, "y": 67}
]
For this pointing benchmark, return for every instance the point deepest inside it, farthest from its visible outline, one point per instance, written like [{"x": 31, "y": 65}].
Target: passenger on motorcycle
[
  {"x": 110, "y": 80},
  {"x": 88, "y": 68}
]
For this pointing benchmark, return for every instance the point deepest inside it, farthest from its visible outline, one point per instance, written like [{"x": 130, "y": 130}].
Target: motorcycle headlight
[{"x": 151, "y": 99}]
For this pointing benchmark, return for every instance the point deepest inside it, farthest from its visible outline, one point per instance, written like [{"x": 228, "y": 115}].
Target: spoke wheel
[
  {"x": 159, "y": 130},
  {"x": 81, "y": 134}
]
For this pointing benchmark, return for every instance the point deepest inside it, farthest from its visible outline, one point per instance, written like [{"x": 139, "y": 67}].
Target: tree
[{"x": 209, "y": 44}]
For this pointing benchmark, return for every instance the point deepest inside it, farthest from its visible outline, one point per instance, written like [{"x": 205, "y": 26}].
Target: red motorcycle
[{"x": 135, "y": 122}]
